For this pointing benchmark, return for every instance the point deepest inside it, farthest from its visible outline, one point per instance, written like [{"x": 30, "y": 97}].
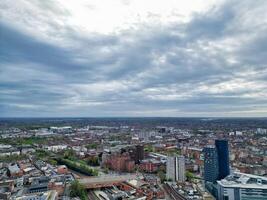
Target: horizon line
[{"x": 96, "y": 117}]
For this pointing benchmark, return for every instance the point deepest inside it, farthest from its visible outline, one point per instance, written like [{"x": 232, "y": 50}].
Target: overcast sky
[{"x": 162, "y": 58}]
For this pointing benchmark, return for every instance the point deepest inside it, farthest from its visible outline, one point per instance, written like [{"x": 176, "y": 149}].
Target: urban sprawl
[{"x": 109, "y": 160}]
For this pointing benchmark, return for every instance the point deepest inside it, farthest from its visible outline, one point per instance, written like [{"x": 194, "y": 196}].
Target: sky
[{"x": 133, "y": 58}]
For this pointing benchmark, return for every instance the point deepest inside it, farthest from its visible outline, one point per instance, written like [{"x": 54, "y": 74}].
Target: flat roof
[
  {"x": 242, "y": 180},
  {"x": 107, "y": 179}
]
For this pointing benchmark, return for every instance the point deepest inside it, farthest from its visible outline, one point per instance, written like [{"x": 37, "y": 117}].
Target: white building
[
  {"x": 9, "y": 152},
  {"x": 48, "y": 195},
  {"x": 176, "y": 168},
  {"x": 56, "y": 148},
  {"x": 240, "y": 186},
  {"x": 261, "y": 131}
]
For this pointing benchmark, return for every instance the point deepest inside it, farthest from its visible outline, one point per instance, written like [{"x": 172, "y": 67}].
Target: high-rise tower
[
  {"x": 176, "y": 168},
  {"x": 223, "y": 158},
  {"x": 211, "y": 166}
]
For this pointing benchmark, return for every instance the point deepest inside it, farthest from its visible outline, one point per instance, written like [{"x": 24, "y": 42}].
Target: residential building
[{"x": 176, "y": 168}]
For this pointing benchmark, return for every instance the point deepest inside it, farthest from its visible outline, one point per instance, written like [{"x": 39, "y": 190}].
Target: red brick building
[
  {"x": 149, "y": 166},
  {"x": 120, "y": 162},
  {"x": 62, "y": 169}
]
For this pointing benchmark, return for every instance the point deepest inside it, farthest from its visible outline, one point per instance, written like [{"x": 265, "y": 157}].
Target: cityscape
[
  {"x": 133, "y": 100},
  {"x": 133, "y": 158}
]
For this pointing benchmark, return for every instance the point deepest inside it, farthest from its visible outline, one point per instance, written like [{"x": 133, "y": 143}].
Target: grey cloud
[
  {"x": 16, "y": 46},
  {"x": 150, "y": 70}
]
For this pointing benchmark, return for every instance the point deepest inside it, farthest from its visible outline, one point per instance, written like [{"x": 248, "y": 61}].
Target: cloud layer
[{"x": 208, "y": 61}]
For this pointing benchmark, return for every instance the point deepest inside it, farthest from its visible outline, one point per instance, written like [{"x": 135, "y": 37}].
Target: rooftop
[
  {"x": 107, "y": 178},
  {"x": 14, "y": 168},
  {"x": 242, "y": 180}
]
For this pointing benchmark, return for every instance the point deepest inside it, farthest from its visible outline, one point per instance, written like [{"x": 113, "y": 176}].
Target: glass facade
[
  {"x": 223, "y": 155},
  {"x": 210, "y": 164},
  {"x": 252, "y": 193}
]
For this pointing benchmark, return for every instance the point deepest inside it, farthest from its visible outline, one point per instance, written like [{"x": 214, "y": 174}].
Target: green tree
[
  {"x": 162, "y": 176},
  {"x": 189, "y": 175},
  {"x": 79, "y": 167},
  {"x": 93, "y": 161},
  {"x": 69, "y": 154},
  {"x": 52, "y": 162},
  {"x": 149, "y": 148},
  {"x": 162, "y": 168},
  {"x": 92, "y": 146},
  {"x": 78, "y": 190},
  {"x": 41, "y": 154},
  {"x": 105, "y": 170}
]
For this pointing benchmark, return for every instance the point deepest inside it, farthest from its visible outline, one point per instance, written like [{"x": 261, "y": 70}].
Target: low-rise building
[
  {"x": 150, "y": 165},
  {"x": 14, "y": 170},
  {"x": 240, "y": 186},
  {"x": 62, "y": 169},
  {"x": 48, "y": 195}
]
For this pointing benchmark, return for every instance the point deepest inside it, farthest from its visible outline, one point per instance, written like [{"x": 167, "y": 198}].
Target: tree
[
  {"x": 162, "y": 168},
  {"x": 69, "y": 154},
  {"x": 52, "y": 162},
  {"x": 162, "y": 176},
  {"x": 149, "y": 148},
  {"x": 93, "y": 161},
  {"x": 78, "y": 190},
  {"x": 105, "y": 170},
  {"x": 41, "y": 154},
  {"x": 92, "y": 146},
  {"x": 79, "y": 167},
  {"x": 189, "y": 175}
]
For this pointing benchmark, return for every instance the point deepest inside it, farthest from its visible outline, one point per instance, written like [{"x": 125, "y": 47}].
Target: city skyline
[{"x": 133, "y": 58}]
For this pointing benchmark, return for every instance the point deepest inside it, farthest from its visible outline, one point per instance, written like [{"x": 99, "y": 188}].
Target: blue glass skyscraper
[
  {"x": 223, "y": 158},
  {"x": 211, "y": 167}
]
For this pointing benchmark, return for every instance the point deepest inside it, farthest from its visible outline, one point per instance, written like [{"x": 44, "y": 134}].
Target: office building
[
  {"x": 223, "y": 158},
  {"x": 239, "y": 186},
  {"x": 176, "y": 168},
  {"x": 211, "y": 166},
  {"x": 139, "y": 155},
  {"x": 136, "y": 153}
]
